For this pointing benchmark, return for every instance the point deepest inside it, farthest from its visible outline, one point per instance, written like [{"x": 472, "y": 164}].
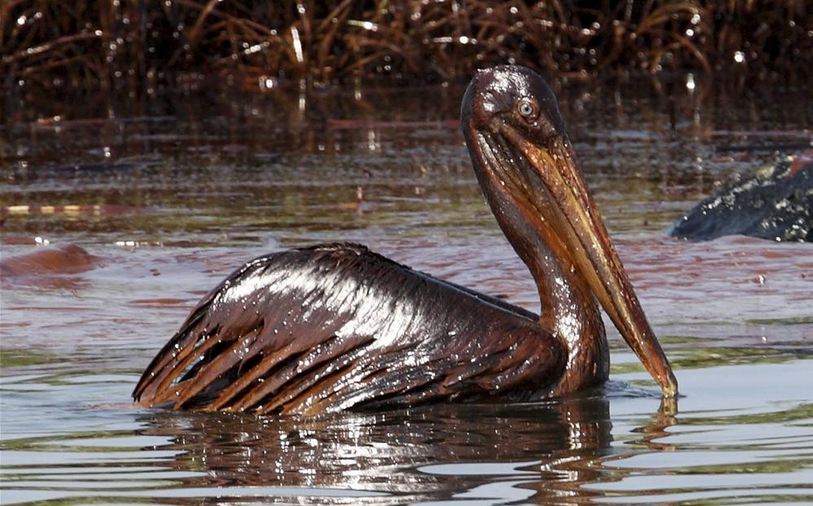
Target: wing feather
[
  {"x": 333, "y": 326},
  {"x": 300, "y": 373}
]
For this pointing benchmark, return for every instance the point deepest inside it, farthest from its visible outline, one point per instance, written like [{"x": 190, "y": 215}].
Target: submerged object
[
  {"x": 336, "y": 326},
  {"x": 774, "y": 203},
  {"x": 64, "y": 259}
]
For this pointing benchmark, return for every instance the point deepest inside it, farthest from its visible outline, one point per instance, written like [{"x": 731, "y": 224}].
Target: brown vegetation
[{"x": 137, "y": 45}]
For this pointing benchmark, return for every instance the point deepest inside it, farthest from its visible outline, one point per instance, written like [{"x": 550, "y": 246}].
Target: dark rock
[{"x": 775, "y": 203}]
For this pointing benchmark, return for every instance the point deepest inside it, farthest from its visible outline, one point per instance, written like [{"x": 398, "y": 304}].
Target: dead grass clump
[{"x": 136, "y": 45}]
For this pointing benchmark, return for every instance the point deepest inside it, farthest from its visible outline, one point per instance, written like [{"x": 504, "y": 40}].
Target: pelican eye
[{"x": 527, "y": 108}]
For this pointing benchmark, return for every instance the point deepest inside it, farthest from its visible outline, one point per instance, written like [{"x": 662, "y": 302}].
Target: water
[{"x": 188, "y": 188}]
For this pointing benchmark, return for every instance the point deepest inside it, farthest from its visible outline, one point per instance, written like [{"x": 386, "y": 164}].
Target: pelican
[{"x": 335, "y": 326}]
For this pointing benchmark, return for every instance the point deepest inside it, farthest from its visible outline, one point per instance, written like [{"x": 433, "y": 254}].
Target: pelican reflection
[{"x": 542, "y": 452}]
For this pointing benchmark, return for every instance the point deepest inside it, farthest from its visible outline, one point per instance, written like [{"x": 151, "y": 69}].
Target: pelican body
[{"x": 336, "y": 326}]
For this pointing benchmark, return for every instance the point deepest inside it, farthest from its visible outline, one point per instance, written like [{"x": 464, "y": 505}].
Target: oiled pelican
[{"x": 336, "y": 326}]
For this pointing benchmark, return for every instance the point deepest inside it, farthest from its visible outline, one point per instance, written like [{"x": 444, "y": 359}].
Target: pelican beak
[{"x": 576, "y": 221}]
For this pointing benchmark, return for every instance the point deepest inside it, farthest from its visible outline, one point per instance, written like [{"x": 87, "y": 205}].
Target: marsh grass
[{"x": 134, "y": 46}]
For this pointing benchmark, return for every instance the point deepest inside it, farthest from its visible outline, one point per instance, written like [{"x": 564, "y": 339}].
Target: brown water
[{"x": 191, "y": 186}]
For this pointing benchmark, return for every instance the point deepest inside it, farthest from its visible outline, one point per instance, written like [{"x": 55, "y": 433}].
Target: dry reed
[{"x": 134, "y": 46}]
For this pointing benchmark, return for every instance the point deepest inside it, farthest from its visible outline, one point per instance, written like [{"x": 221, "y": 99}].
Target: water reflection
[
  {"x": 433, "y": 451},
  {"x": 208, "y": 162},
  {"x": 534, "y": 452}
]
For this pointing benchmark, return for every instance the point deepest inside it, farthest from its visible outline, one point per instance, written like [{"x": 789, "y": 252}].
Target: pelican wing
[{"x": 334, "y": 326}]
